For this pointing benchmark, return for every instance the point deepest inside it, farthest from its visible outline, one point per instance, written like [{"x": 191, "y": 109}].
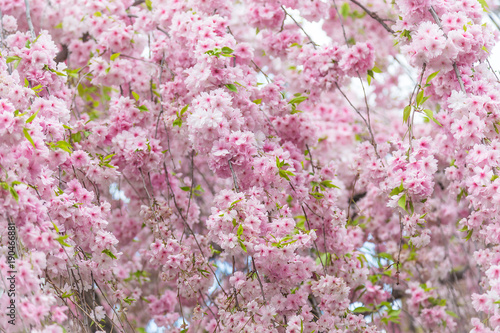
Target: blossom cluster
[{"x": 213, "y": 166}]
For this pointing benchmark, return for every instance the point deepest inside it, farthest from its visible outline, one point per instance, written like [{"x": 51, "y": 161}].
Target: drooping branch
[{"x": 375, "y": 16}]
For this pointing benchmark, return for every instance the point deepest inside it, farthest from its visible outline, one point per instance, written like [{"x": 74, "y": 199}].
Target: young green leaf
[
  {"x": 420, "y": 97},
  {"x": 30, "y": 119},
  {"x": 406, "y": 113},
  {"x": 431, "y": 116},
  {"x": 136, "y": 95},
  {"x": 361, "y": 309},
  {"x": 402, "y": 202},
  {"x": 297, "y": 100},
  {"x": 231, "y": 87},
  {"x": 430, "y": 77},
  {"x": 114, "y": 56},
  {"x": 61, "y": 240},
  {"x": 28, "y": 137},
  {"x": 109, "y": 254},
  {"x": 13, "y": 192}
]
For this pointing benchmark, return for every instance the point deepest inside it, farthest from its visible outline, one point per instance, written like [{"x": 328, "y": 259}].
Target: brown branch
[{"x": 374, "y": 16}]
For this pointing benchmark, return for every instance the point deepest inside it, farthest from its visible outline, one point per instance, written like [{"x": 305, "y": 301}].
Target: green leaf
[
  {"x": 108, "y": 157},
  {"x": 177, "y": 122},
  {"x": 385, "y": 255},
  {"x": 395, "y": 191},
  {"x": 297, "y": 100},
  {"x": 376, "y": 69},
  {"x": 258, "y": 101},
  {"x": 59, "y": 26},
  {"x": 61, "y": 240},
  {"x": 240, "y": 230},
  {"x": 242, "y": 245},
  {"x": 283, "y": 174},
  {"x": 430, "y": 77},
  {"x": 402, "y": 202},
  {"x": 431, "y": 116},
  {"x": 114, "y": 56},
  {"x": 64, "y": 146},
  {"x": 13, "y": 58},
  {"x": 345, "y": 9},
  {"x": 30, "y": 119},
  {"x": 231, "y": 87},
  {"x": 227, "y": 50},
  {"x": 231, "y": 206},
  {"x": 184, "y": 109},
  {"x": 13, "y": 191},
  {"x": 469, "y": 234},
  {"x": 185, "y": 188},
  {"x": 109, "y": 254},
  {"x": 136, "y": 95},
  {"x": 451, "y": 313},
  {"x": 317, "y": 195},
  {"x": 66, "y": 295},
  {"x": 361, "y": 309},
  {"x": 149, "y": 5},
  {"x": 55, "y": 227},
  {"x": 406, "y": 113},
  {"x": 129, "y": 300},
  {"x": 484, "y": 5},
  {"x": 28, "y": 136},
  {"x": 420, "y": 96},
  {"x": 143, "y": 108},
  {"x": 328, "y": 183}
]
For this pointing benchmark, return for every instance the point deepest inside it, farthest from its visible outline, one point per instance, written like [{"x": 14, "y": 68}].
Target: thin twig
[
  {"x": 190, "y": 229},
  {"x": 234, "y": 177},
  {"x": 161, "y": 97},
  {"x": 260, "y": 282},
  {"x": 297, "y": 23},
  {"x": 341, "y": 22},
  {"x": 400, "y": 246},
  {"x": 375, "y": 17},
  {"x": 314, "y": 242},
  {"x": 311, "y": 157},
  {"x": 367, "y": 123},
  {"x": 28, "y": 18}
]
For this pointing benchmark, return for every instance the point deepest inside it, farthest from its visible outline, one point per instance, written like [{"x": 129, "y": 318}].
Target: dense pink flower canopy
[{"x": 210, "y": 166}]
